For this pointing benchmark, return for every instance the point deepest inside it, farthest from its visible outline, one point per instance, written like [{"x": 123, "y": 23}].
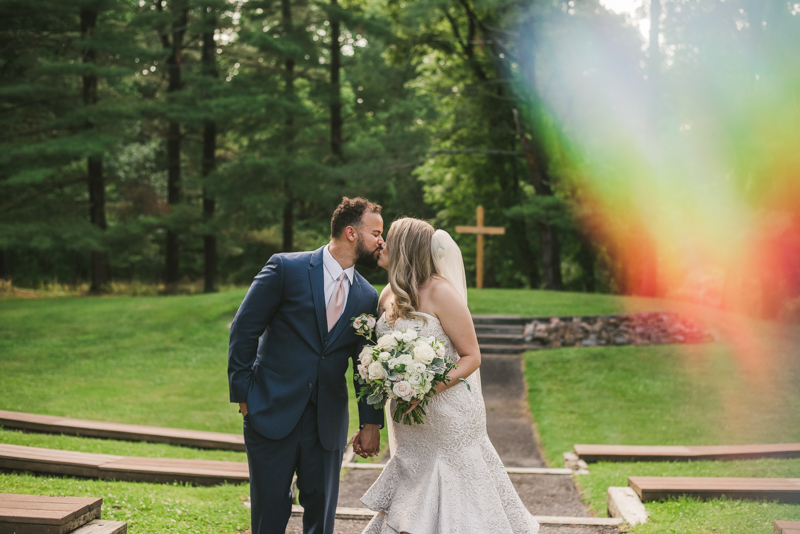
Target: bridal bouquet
[{"x": 401, "y": 365}]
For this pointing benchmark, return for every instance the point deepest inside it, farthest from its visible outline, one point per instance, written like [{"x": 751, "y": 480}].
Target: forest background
[{"x": 177, "y": 141}]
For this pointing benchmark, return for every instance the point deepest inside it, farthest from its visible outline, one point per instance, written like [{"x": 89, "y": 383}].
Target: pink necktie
[{"x": 336, "y": 305}]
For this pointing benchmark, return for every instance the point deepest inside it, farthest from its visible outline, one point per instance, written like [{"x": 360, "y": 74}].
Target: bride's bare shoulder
[
  {"x": 440, "y": 290},
  {"x": 385, "y": 299}
]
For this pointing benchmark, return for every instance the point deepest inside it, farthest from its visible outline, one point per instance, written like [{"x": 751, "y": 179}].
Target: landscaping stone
[
  {"x": 623, "y": 502},
  {"x": 605, "y": 330}
]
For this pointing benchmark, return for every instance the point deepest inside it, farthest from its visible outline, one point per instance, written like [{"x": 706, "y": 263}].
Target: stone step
[
  {"x": 366, "y": 513},
  {"x": 102, "y": 526},
  {"x": 499, "y": 319},
  {"x": 500, "y": 339},
  {"x": 512, "y": 470},
  {"x": 508, "y": 348},
  {"x": 499, "y": 329}
]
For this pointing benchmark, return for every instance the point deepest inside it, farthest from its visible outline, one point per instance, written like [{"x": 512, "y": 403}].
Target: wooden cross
[{"x": 480, "y": 229}]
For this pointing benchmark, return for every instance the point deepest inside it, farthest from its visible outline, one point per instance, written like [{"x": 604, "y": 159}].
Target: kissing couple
[{"x": 290, "y": 343}]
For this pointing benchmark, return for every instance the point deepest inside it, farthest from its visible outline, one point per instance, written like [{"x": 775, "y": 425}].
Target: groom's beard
[{"x": 366, "y": 258}]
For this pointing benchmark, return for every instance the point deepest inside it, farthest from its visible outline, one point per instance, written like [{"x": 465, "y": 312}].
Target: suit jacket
[{"x": 276, "y": 375}]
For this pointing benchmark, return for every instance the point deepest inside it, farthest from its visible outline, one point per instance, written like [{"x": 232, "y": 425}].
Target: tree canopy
[{"x": 181, "y": 140}]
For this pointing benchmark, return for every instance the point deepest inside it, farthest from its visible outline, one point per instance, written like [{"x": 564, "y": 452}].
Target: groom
[{"x": 289, "y": 347}]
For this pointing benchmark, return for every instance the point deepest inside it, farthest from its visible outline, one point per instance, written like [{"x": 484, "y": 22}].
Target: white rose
[
  {"x": 417, "y": 367},
  {"x": 440, "y": 352},
  {"x": 403, "y": 390},
  {"x": 386, "y": 342},
  {"x": 424, "y": 354},
  {"x": 362, "y": 372},
  {"x": 398, "y": 335},
  {"x": 415, "y": 379},
  {"x": 384, "y": 356},
  {"x": 405, "y": 359},
  {"x": 392, "y": 363},
  {"x": 365, "y": 357},
  {"x": 357, "y": 323},
  {"x": 371, "y": 322},
  {"x": 376, "y": 371},
  {"x": 410, "y": 336}
]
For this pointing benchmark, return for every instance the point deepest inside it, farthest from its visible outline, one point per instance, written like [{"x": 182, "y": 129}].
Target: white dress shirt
[{"x": 332, "y": 272}]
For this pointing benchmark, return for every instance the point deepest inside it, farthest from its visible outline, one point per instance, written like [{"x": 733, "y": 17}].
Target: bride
[{"x": 444, "y": 477}]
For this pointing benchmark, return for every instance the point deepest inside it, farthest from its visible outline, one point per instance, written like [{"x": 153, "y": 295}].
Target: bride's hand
[{"x": 413, "y": 405}]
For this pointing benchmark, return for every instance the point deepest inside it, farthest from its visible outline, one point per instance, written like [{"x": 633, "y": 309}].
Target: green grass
[
  {"x": 162, "y": 361},
  {"x": 150, "y": 360},
  {"x": 143, "y": 360},
  {"x": 604, "y": 474},
  {"x": 534, "y": 303},
  {"x": 659, "y": 395},
  {"x": 110, "y": 446},
  {"x": 149, "y": 508},
  {"x": 674, "y": 395}
]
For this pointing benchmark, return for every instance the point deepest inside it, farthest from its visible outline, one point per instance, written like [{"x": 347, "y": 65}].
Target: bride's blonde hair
[{"x": 410, "y": 264}]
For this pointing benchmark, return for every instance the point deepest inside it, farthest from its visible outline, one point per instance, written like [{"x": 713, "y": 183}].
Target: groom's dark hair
[{"x": 349, "y": 212}]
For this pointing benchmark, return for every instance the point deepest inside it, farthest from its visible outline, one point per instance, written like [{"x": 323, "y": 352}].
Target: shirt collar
[{"x": 333, "y": 267}]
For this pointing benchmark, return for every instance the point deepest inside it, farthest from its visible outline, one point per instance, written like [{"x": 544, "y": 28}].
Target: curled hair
[
  {"x": 350, "y": 212},
  {"x": 410, "y": 264}
]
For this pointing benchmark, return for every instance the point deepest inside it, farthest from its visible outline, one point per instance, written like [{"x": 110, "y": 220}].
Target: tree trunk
[
  {"x": 209, "y": 239},
  {"x": 586, "y": 259},
  {"x": 511, "y": 193},
  {"x": 288, "y": 209},
  {"x": 654, "y": 63},
  {"x": 209, "y": 159},
  {"x": 288, "y": 223},
  {"x": 5, "y": 272},
  {"x": 548, "y": 236},
  {"x": 98, "y": 262},
  {"x": 336, "y": 95},
  {"x": 172, "y": 270}
]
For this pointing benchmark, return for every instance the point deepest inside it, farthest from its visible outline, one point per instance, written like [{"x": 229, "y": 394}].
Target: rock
[{"x": 624, "y": 502}]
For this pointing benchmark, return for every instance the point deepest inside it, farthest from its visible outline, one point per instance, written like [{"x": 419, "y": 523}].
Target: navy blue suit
[{"x": 293, "y": 381}]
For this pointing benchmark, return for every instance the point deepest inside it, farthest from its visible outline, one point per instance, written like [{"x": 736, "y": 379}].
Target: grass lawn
[
  {"x": 673, "y": 395},
  {"x": 162, "y": 361},
  {"x": 686, "y": 515},
  {"x": 150, "y": 508}
]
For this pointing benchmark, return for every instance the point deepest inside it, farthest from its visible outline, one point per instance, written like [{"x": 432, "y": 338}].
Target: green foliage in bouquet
[{"x": 401, "y": 366}]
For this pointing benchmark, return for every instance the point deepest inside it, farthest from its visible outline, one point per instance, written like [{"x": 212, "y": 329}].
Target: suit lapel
[
  {"x": 317, "y": 278},
  {"x": 349, "y": 308}
]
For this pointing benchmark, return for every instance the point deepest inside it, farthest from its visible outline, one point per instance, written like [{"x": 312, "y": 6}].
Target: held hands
[{"x": 367, "y": 441}]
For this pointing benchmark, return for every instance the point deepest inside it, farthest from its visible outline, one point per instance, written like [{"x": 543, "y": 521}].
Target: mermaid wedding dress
[{"x": 445, "y": 477}]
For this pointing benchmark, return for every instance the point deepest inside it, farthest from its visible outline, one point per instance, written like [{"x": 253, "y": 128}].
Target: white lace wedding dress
[{"x": 445, "y": 477}]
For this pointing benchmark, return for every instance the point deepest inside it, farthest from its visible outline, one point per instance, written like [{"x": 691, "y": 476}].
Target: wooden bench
[
  {"x": 786, "y": 527},
  {"x": 785, "y": 490},
  {"x": 659, "y": 453},
  {"x": 23, "y": 514},
  {"x": 50, "y": 424},
  {"x": 129, "y": 468}
]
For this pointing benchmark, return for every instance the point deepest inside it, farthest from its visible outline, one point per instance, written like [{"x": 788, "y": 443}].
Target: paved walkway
[{"x": 511, "y": 430}]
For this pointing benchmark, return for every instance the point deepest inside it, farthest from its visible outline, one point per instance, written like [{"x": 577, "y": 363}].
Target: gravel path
[{"x": 511, "y": 430}]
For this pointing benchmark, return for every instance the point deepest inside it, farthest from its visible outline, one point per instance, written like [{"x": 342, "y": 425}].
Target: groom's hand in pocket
[
  {"x": 243, "y": 408},
  {"x": 367, "y": 442}
]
